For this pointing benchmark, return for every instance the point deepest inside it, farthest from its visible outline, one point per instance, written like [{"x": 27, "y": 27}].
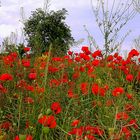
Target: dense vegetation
[{"x": 82, "y": 96}]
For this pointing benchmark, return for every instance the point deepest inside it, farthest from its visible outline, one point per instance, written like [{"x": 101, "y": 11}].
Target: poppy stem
[
  {"x": 19, "y": 110},
  {"x": 46, "y": 138}
]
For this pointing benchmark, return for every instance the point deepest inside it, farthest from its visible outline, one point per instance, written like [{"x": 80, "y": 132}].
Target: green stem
[
  {"x": 46, "y": 69},
  {"x": 46, "y": 138},
  {"x": 19, "y": 111}
]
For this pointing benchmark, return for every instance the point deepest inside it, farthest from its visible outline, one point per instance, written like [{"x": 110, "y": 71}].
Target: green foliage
[{"x": 45, "y": 29}]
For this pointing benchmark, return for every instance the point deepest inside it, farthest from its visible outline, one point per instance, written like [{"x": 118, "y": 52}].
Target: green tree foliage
[{"x": 44, "y": 29}]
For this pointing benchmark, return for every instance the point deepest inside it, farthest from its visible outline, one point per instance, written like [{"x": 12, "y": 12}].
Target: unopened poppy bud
[
  {"x": 129, "y": 87},
  {"x": 22, "y": 137},
  {"x": 46, "y": 130},
  {"x": 111, "y": 131},
  {"x": 14, "y": 124},
  {"x": 49, "y": 111},
  {"x": 99, "y": 81}
]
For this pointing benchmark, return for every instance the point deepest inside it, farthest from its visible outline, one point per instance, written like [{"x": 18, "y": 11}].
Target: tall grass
[{"x": 74, "y": 97}]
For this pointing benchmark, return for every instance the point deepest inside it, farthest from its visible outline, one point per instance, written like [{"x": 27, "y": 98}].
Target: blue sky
[{"x": 80, "y": 13}]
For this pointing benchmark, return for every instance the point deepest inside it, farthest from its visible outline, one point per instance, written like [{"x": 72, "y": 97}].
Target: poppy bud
[{"x": 46, "y": 130}]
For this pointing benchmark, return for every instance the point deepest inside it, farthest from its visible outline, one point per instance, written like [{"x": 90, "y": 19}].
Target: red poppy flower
[
  {"x": 16, "y": 138},
  {"x": 119, "y": 58},
  {"x": 117, "y": 91},
  {"x": 110, "y": 58},
  {"x": 90, "y": 72},
  {"x": 129, "y": 96},
  {"x": 84, "y": 88},
  {"x": 54, "y": 83},
  {"x": 127, "y": 133},
  {"x": 82, "y": 69},
  {"x": 132, "y": 53},
  {"x": 76, "y": 131},
  {"x": 129, "y": 77},
  {"x": 2, "y": 89},
  {"x": 40, "y": 90},
  {"x": 47, "y": 121},
  {"x": 14, "y": 54},
  {"x": 86, "y": 57},
  {"x": 97, "y": 53},
  {"x": 102, "y": 92},
  {"x": 106, "y": 87},
  {"x": 95, "y": 62},
  {"x": 133, "y": 123},
  {"x": 6, "y": 77},
  {"x": 95, "y": 89},
  {"x": 70, "y": 94},
  {"x": 26, "y": 63},
  {"x": 122, "y": 115},
  {"x": 85, "y": 48},
  {"x": 52, "y": 69},
  {"x": 126, "y": 71},
  {"x": 116, "y": 55},
  {"x": 76, "y": 75},
  {"x": 29, "y": 100},
  {"x": 29, "y": 137},
  {"x": 56, "y": 107},
  {"x": 56, "y": 59},
  {"x": 5, "y": 125},
  {"x": 8, "y": 60},
  {"x": 26, "y": 49},
  {"x": 129, "y": 107},
  {"x": 29, "y": 88},
  {"x": 78, "y": 59},
  {"x": 70, "y": 52},
  {"x": 75, "y": 54},
  {"x": 75, "y": 123},
  {"x": 32, "y": 76}
]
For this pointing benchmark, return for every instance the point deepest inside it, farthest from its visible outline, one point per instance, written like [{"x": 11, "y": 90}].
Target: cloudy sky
[{"x": 79, "y": 14}]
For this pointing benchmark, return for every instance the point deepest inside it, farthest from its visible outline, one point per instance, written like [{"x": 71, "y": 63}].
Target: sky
[{"x": 79, "y": 14}]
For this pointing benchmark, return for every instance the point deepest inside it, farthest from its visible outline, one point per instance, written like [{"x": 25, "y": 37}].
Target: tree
[
  {"x": 136, "y": 4},
  {"x": 44, "y": 29},
  {"x": 111, "y": 20}
]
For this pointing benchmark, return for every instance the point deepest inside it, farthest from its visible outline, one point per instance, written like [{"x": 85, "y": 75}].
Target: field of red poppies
[{"x": 83, "y": 96}]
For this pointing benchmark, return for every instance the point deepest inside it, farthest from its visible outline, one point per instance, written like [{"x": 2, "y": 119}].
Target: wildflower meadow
[{"x": 79, "y": 96}]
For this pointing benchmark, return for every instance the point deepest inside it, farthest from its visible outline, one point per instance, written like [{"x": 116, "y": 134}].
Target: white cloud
[
  {"x": 70, "y": 3},
  {"x": 14, "y": 32},
  {"x": 5, "y": 30}
]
